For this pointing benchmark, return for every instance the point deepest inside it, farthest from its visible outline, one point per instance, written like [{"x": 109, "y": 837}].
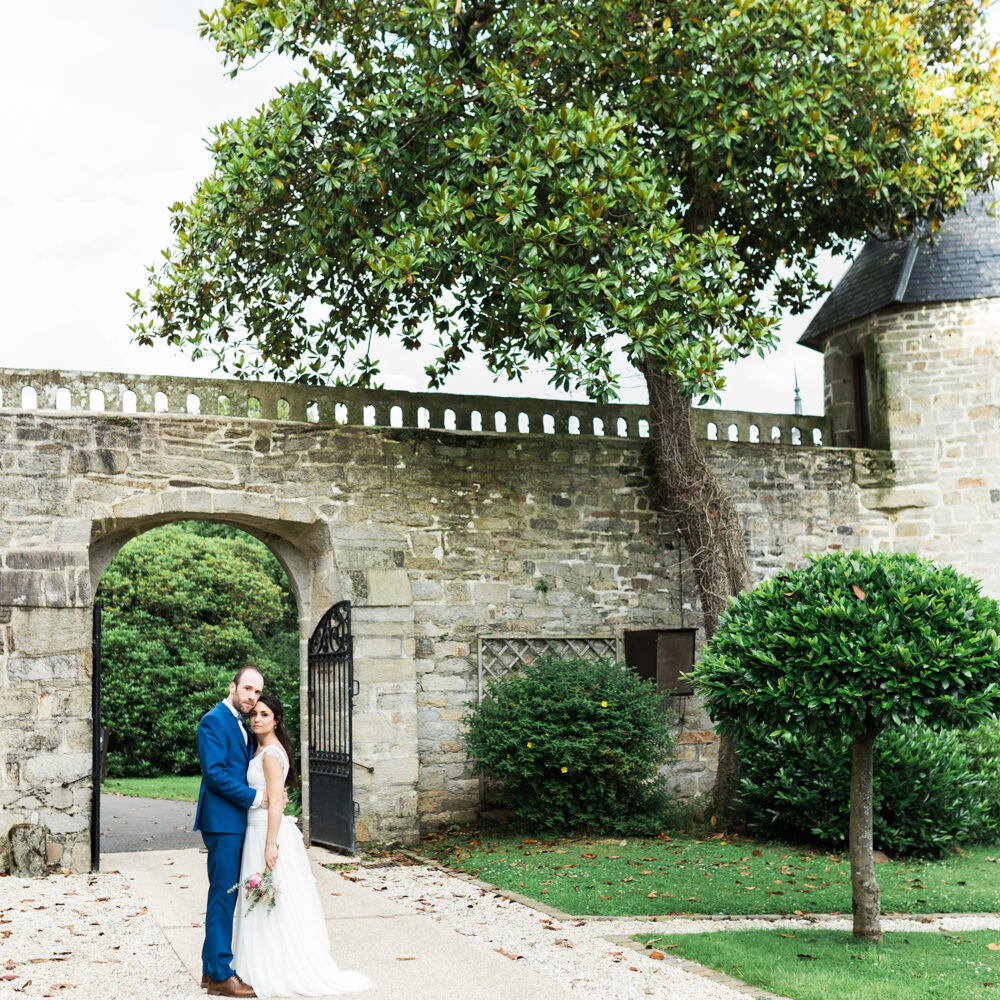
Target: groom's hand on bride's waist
[{"x": 264, "y": 801}]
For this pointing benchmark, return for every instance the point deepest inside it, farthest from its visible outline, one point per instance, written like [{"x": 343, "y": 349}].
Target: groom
[{"x": 224, "y": 751}]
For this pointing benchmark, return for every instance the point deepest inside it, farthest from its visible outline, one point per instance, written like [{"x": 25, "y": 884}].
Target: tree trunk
[
  {"x": 708, "y": 519},
  {"x": 864, "y": 888}
]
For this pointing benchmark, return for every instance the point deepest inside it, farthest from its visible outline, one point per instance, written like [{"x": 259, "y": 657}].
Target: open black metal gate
[
  {"x": 95, "y": 711},
  {"x": 331, "y": 700}
]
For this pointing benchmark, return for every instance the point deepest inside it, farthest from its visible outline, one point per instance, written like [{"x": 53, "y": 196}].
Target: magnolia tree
[
  {"x": 854, "y": 644},
  {"x": 561, "y": 183}
]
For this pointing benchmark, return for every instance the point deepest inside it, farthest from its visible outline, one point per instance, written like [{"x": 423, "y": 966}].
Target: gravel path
[
  {"x": 84, "y": 937},
  {"x": 88, "y": 937}
]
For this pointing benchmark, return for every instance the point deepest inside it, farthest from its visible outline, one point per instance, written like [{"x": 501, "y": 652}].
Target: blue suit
[{"x": 223, "y": 801}]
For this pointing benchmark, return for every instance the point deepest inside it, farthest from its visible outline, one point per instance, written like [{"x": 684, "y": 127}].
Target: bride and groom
[{"x": 249, "y": 950}]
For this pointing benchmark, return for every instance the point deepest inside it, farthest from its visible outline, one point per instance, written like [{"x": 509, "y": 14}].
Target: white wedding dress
[{"x": 284, "y": 952}]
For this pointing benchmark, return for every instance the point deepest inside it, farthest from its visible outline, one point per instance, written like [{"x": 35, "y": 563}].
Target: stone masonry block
[
  {"x": 27, "y": 850},
  {"x": 704, "y": 736},
  {"x": 20, "y": 705},
  {"x": 385, "y": 587},
  {"x": 43, "y": 668},
  {"x": 22, "y": 588},
  {"x": 43, "y": 631},
  {"x": 48, "y": 768},
  {"x": 451, "y": 682}
]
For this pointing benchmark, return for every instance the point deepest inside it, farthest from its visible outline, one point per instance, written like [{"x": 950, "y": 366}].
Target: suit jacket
[{"x": 224, "y": 796}]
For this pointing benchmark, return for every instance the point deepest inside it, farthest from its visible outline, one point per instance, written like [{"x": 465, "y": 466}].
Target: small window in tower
[
  {"x": 663, "y": 655},
  {"x": 862, "y": 422}
]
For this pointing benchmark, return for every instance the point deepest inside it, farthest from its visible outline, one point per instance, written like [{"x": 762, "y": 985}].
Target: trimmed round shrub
[
  {"x": 928, "y": 792},
  {"x": 576, "y": 744}
]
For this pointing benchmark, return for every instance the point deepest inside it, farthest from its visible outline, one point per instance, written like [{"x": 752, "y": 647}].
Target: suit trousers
[{"x": 224, "y": 852}]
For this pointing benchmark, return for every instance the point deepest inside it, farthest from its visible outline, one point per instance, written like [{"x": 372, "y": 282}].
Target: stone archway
[
  {"x": 305, "y": 546},
  {"x": 299, "y": 541}
]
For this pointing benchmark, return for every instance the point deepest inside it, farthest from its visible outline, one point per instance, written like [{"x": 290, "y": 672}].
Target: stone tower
[{"x": 910, "y": 338}]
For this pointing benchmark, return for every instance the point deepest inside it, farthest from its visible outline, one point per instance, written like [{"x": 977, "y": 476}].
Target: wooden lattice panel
[{"x": 499, "y": 654}]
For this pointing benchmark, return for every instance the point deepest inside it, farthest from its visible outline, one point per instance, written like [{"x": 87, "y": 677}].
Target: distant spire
[{"x": 798, "y": 397}]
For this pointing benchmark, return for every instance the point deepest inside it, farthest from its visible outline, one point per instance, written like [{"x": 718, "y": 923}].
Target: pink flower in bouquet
[{"x": 259, "y": 888}]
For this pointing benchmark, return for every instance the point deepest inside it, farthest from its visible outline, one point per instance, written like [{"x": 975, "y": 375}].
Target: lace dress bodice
[{"x": 255, "y": 770}]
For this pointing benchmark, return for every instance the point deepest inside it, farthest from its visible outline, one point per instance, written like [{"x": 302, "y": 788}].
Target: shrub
[
  {"x": 185, "y": 606},
  {"x": 983, "y": 746},
  {"x": 928, "y": 792},
  {"x": 576, "y": 744}
]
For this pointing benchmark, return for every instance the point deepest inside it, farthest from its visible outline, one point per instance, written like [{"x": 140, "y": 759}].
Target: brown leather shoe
[
  {"x": 204, "y": 980},
  {"x": 232, "y": 987}
]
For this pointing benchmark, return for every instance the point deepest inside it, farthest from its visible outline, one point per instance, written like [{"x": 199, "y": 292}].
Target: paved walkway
[
  {"x": 133, "y": 824},
  {"x": 408, "y": 955}
]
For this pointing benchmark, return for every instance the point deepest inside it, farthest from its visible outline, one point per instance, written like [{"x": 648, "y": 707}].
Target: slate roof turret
[{"x": 962, "y": 262}]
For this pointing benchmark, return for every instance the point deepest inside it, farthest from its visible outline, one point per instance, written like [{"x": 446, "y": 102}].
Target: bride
[{"x": 282, "y": 951}]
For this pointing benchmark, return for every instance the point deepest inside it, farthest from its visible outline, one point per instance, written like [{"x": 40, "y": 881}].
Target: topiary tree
[
  {"x": 576, "y": 744},
  {"x": 855, "y": 643}
]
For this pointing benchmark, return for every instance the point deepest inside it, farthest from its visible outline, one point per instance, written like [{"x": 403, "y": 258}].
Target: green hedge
[
  {"x": 930, "y": 791},
  {"x": 576, "y": 744}
]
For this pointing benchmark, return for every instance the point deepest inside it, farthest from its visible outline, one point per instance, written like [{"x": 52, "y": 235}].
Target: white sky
[{"x": 107, "y": 108}]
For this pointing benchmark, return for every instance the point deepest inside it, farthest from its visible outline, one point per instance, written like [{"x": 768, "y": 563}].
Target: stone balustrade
[{"x": 119, "y": 393}]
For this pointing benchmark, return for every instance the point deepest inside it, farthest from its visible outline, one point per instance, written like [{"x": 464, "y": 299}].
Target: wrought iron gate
[
  {"x": 331, "y": 699},
  {"x": 95, "y": 712}
]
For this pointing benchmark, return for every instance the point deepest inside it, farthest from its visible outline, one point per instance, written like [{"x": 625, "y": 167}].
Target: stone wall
[
  {"x": 445, "y": 519},
  {"x": 437, "y": 537}
]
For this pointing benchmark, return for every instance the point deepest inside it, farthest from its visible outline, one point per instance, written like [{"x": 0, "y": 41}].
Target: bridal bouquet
[{"x": 259, "y": 889}]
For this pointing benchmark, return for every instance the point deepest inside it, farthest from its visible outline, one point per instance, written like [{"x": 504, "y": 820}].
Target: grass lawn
[
  {"x": 168, "y": 787},
  {"x": 825, "y": 964},
  {"x": 712, "y": 874}
]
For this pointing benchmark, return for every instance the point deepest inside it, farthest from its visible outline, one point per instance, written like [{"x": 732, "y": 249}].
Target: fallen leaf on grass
[
  {"x": 814, "y": 958},
  {"x": 994, "y": 946}
]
